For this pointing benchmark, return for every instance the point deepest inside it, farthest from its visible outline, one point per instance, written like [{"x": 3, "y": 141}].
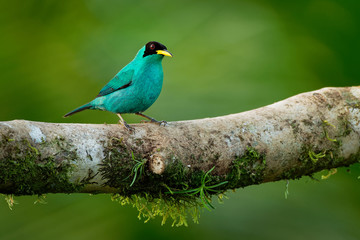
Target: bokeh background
[{"x": 229, "y": 56}]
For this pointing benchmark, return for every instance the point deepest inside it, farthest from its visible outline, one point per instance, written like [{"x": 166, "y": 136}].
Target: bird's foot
[
  {"x": 127, "y": 126},
  {"x": 155, "y": 121},
  {"x": 122, "y": 121}
]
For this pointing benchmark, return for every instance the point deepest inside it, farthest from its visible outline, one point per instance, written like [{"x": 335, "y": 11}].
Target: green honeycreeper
[{"x": 135, "y": 87}]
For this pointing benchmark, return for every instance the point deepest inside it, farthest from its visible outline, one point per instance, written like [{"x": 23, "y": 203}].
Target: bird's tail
[{"x": 79, "y": 109}]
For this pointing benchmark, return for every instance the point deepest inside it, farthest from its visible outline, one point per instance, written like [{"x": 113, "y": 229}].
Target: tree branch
[{"x": 286, "y": 140}]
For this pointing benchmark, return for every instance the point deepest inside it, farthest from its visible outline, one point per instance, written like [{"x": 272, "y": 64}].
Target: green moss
[
  {"x": 305, "y": 163},
  {"x": 325, "y": 125},
  {"x": 88, "y": 179},
  {"x": 309, "y": 161},
  {"x": 9, "y": 198},
  {"x": 36, "y": 151},
  {"x": 291, "y": 173},
  {"x": 118, "y": 171},
  {"x": 157, "y": 200},
  {"x": 247, "y": 169},
  {"x": 175, "y": 197},
  {"x": 204, "y": 191},
  {"x": 345, "y": 126},
  {"x": 314, "y": 157},
  {"x": 25, "y": 172},
  {"x": 41, "y": 199},
  {"x": 311, "y": 154},
  {"x": 167, "y": 207},
  {"x": 117, "y": 165},
  {"x": 151, "y": 200}
]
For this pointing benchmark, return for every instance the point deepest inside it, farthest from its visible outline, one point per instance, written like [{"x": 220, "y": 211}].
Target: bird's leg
[
  {"x": 152, "y": 120},
  {"x": 122, "y": 121}
]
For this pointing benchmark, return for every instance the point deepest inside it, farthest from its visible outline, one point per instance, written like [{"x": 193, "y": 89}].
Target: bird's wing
[{"x": 121, "y": 80}]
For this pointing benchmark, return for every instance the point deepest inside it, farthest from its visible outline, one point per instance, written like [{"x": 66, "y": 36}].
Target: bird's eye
[{"x": 152, "y": 46}]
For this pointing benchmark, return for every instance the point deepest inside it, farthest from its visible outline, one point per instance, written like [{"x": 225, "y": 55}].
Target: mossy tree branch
[{"x": 286, "y": 140}]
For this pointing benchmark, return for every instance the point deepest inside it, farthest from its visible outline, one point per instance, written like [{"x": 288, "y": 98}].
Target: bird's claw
[
  {"x": 127, "y": 126},
  {"x": 155, "y": 121},
  {"x": 163, "y": 122}
]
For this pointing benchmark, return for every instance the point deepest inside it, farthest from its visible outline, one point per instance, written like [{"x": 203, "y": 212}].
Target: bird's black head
[{"x": 156, "y": 48}]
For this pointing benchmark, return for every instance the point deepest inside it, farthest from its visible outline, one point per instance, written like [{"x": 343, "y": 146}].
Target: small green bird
[{"x": 135, "y": 87}]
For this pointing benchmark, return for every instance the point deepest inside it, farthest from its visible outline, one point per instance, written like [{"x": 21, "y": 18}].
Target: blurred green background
[{"x": 229, "y": 56}]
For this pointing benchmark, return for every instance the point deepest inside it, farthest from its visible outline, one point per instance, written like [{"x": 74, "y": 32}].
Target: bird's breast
[
  {"x": 140, "y": 95},
  {"x": 150, "y": 75},
  {"x": 146, "y": 88}
]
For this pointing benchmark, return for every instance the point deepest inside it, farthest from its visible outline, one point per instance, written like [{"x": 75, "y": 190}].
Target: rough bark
[{"x": 286, "y": 140}]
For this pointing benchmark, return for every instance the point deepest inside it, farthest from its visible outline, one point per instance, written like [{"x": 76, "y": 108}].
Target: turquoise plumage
[{"x": 135, "y": 87}]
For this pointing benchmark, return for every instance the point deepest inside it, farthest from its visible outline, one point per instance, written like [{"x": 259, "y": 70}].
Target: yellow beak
[{"x": 164, "y": 52}]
